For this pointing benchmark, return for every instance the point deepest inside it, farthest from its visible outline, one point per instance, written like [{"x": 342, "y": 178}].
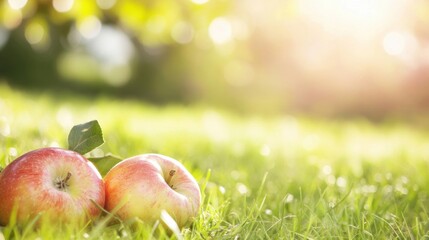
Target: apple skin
[
  {"x": 58, "y": 184},
  {"x": 144, "y": 185}
]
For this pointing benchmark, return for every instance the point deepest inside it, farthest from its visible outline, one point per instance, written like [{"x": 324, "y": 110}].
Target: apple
[
  {"x": 59, "y": 185},
  {"x": 146, "y": 185}
]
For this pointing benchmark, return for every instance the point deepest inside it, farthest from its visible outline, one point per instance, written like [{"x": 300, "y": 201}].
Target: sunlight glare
[
  {"x": 17, "y": 4},
  {"x": 361, "y": 18},
  {"x": 398, "y": 43}
]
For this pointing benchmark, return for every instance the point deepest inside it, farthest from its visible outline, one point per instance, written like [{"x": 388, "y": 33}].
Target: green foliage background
[{"x": 278, "y": 56}]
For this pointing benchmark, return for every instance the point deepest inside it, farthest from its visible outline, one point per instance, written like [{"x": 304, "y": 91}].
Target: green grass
[{"x": 278, "y": 177}]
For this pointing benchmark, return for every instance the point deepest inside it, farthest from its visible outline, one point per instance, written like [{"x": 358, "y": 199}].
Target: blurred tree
[
  {"x": 326, "y": 57},
  {"x": 128, "y": 47}
]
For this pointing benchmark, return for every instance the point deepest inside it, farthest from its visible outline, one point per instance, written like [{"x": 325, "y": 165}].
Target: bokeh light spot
[
  {"x": 12, "y": 18},
  {"x": 220, "y": 30},
  {"x": 116, "y": 75},
  {"x": 288, "y": 198},
  {"x": 199, "y": 1},
  {"x": 62, "y": 5},
  {"x": 394, "y": 43},
  {"x": 17, "y": 4},
  {"x": 399, "y": 43},
  {"x": 242, "y": 189},
  {"x": 341, "y": 182},
  {"x": 90, "y": 27},
  {"x": 13, "y": 152},
  {"x": 111, "y": 46},
  {"x": 34, "y": 33},
  {"x": 182, "y": 33},
  {"x": 106, "y": 4}
]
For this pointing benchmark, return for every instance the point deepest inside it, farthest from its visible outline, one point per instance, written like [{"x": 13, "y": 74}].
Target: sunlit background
[{"x": 331, "y": 58}]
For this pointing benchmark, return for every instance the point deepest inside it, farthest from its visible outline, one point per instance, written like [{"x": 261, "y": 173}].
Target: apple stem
[
  {"x": 67, "y": 177},
  {"x": 170, "y": 176}
]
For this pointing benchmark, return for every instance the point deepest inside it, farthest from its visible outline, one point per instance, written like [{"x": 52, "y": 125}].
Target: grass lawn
[{"x": 262, "y": 177}]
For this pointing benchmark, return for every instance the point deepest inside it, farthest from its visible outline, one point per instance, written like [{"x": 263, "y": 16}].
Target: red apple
[
  {"x": 146, "y": 185},
  {"x": 60, "y": 185}
]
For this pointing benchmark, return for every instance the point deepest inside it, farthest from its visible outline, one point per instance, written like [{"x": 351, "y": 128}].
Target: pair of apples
[{"x": 63, "y": 186}]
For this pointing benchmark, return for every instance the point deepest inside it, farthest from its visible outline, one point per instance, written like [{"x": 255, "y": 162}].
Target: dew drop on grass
[
  {"x": 288, "y": 198},
  {"x": 341, "y": 182},
  {"x": 401, "y": 189},
  {"x": 222, "y": 190},
  {"x": 404, "y": 179},
  {"x": 13, "y": 152},
  {"x": 268, "y": 212},
  {"x": 387, "y": 189},
  {"x": 326, "y": 170},
  {"x": 242, "y": 189}
]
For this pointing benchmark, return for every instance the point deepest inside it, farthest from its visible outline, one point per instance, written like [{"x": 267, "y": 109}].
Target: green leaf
[
  {"x": 104, "y": 164},
  {"x": 85, "y": 137}
]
